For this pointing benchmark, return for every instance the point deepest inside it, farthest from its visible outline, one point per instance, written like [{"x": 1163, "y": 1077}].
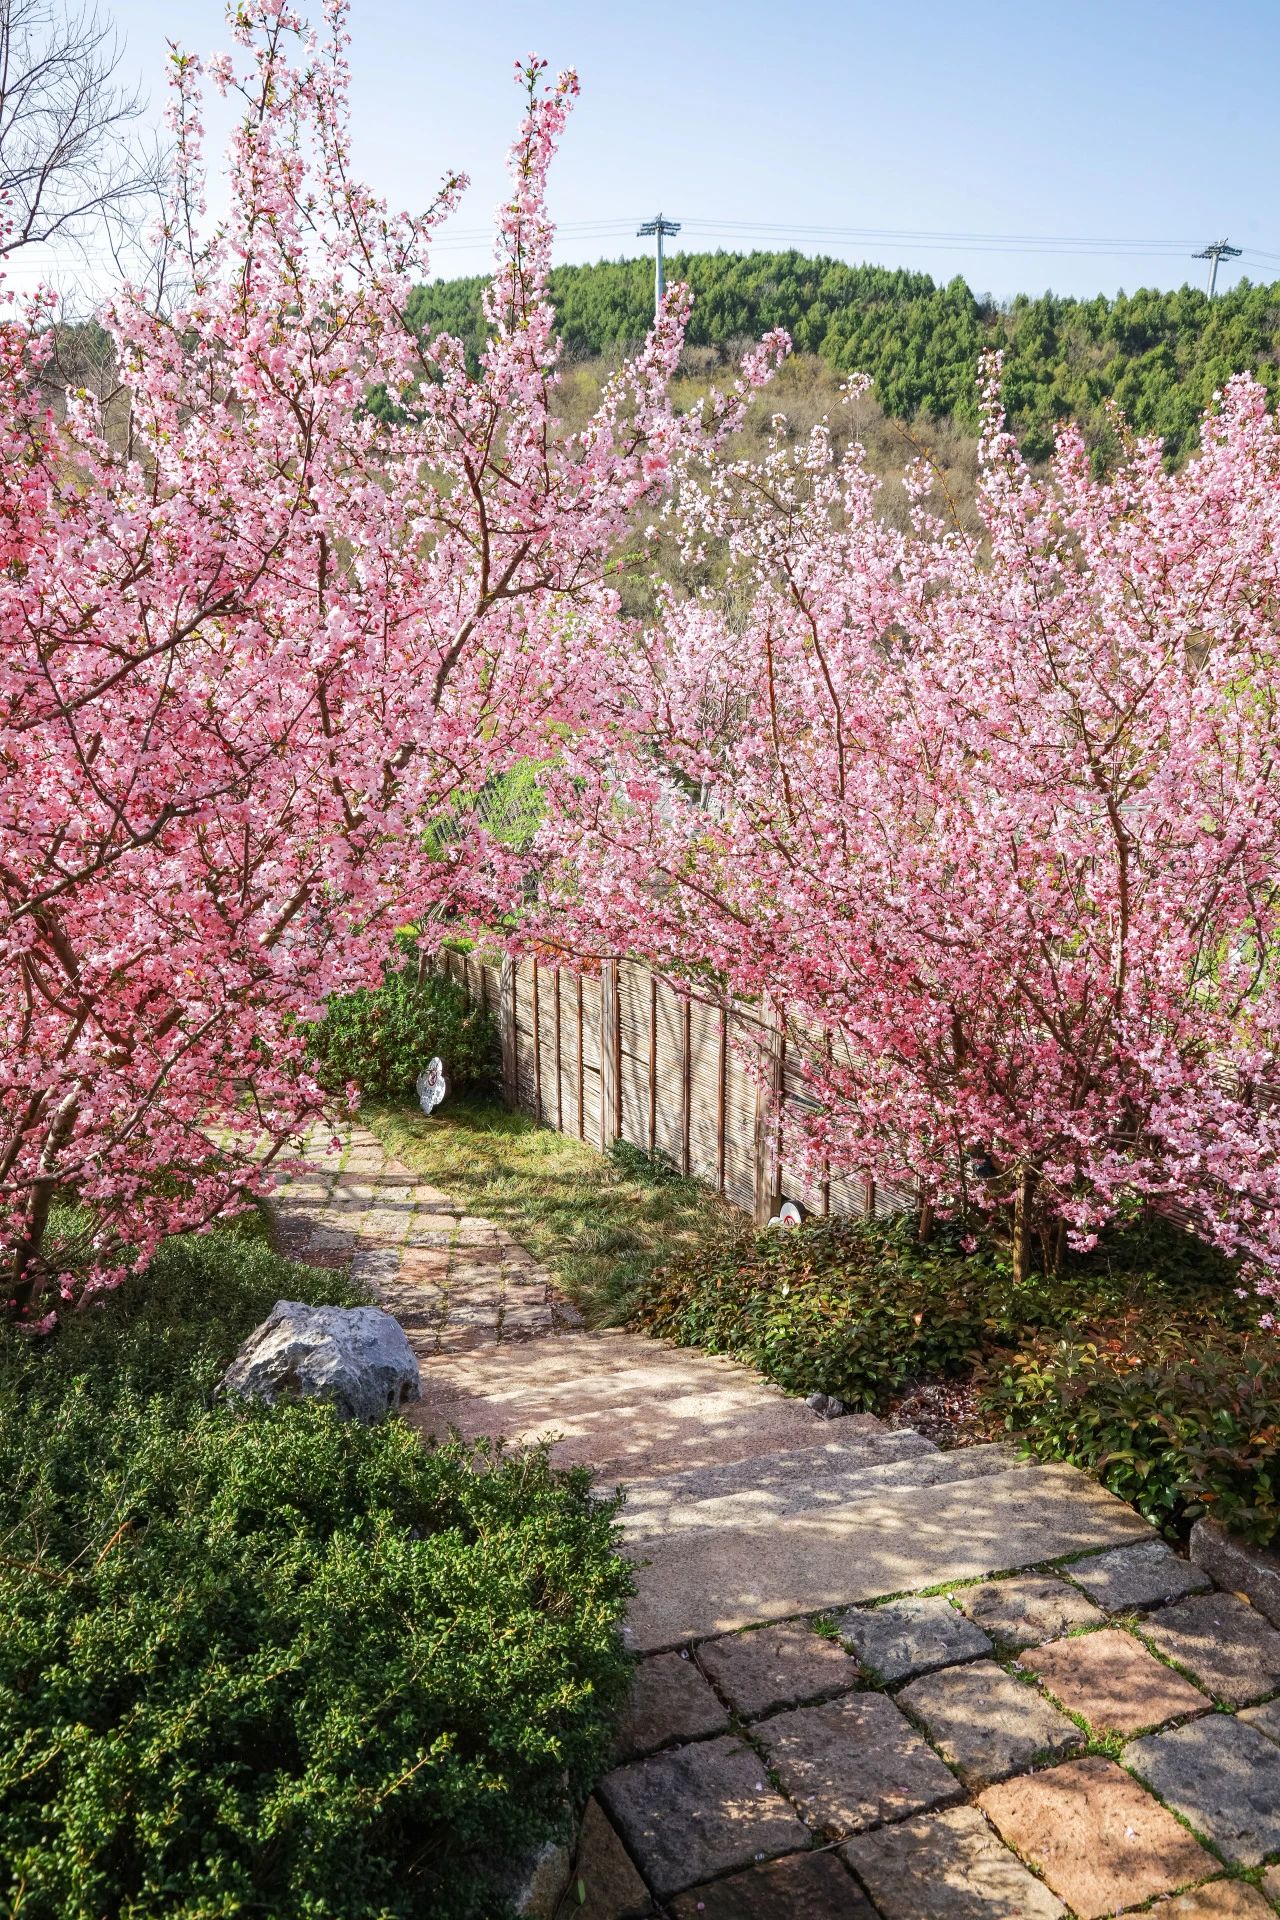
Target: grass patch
[
  {"x": 603, "y": 1223},
  {"x": 266, "y": 1662}
]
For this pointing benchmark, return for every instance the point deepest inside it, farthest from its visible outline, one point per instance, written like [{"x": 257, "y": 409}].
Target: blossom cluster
[
  {"x": 995, "y": 824},
  {"x": 262, "y": 648}
]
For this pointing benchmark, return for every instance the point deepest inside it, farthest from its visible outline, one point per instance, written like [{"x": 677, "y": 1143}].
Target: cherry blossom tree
[
  {"x": 262, "y": 648},
  {"x": 1001, "y": 819}
]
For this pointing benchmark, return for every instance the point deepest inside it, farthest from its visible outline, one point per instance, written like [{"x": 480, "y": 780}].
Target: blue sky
[{"x": 844, "y": 129}]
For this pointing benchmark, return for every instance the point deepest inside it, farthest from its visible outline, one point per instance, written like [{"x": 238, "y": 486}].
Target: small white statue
[
  {"x": 431, "y": 1086},
  {"x": 789, "y": 1216}
]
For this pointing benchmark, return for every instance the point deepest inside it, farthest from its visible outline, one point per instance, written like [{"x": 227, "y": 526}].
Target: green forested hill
[{"x": 1160, "y": 355}]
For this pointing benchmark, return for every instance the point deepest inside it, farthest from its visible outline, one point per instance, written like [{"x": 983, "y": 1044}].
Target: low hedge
[
  {"x": 264, "y": 1662},
  {"x": 861, "y": 1309}
]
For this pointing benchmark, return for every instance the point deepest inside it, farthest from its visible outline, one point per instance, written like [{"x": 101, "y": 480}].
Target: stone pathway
[{"x": 838, "y": 1712}]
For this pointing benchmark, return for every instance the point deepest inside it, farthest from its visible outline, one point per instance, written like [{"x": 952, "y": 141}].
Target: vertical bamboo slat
[
  {"x": 653, "y": 1063},
  {"x": 610, "y": 1057},
  {"x": 722, "y": 1089},
  {"x": 582, "y": 1117},
  {"x": 768, "y": 1159},
  {"x": 559, "y": 1064},
  {"x": 507, "y": 1027},
  {"x": 537, "y": 1051}
]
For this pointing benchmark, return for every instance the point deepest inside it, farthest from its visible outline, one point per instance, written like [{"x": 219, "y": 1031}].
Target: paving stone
[
  {"x": 694, "y": 1584},
  {"x": 1265, "y": 1719},
  {"x": 1220, "y": 1775},
  {"x": 804, "y": 1886},
  {"x": 911, "y": 1636},
  {"x": 1111, "y": 1680},
  {"x": 1230, "y": 1648},
  {"x": 604, "y": 1884},
  {"x": 855, "y": 1762},
  {"x": 425, "y": 1266},
  {"x": 776, "y": 1667},
  {"x": 1220, "y": 1900},
  {"x": 986, "y": 1724},
  {"x": 1027, "y": 1610},
  {"x": 1147, "y": 1574},
  {"x": 699, "y": 1811},
  {"x": 1239, "y": 1567},
  {"x": 669, "y": 1701},
  {"x": 1271, "y": 1884},
  {"x": 1099, "y": 1840},
  {"x": 947, "y": 1866}
]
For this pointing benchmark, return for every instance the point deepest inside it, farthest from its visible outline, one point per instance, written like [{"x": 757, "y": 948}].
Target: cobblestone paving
[
  {"x": 455, "y": 1282},
  {"x": 934, "y": 1785},
  {"x": 1095, "y": 1736}
]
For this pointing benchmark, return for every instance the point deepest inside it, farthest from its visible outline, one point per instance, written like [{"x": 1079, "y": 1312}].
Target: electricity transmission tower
[
  {"x": 1215, "y": 251},
  {"x": 659, "y": 227}
]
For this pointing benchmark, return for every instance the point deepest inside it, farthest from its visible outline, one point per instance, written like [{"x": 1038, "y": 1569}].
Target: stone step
[
  {"x": 693, "y": 1582},
  {"x": 766, "y": 1492},
  {"x": 629, "y": 1407},
  {"x": 834, "y": 1450},
  {"x": 613, "y": 1354}
]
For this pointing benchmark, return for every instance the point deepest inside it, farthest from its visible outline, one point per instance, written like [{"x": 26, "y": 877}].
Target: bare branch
[{"x": 77, "y": 162}]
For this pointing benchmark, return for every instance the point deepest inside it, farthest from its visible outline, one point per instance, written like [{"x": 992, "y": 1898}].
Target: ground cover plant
[
  {"x": 601, "y": 1222},
  {"x": 1142, "y": 1360},
  {"x": 267, "y": 1661},
  {"x": 1180, "y": 1422}
]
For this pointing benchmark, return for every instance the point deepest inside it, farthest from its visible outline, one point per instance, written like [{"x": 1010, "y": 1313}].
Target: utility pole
[
  {"x": 1215, "y": 251},
  {"x": 658, "y": 228}
]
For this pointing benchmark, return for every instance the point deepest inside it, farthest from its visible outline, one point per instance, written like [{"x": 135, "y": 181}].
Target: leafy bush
[
  {"x": 1141, "y": 1361},
  {"x": 845, "y": 1309},
  {"x": 1171, "y": 1431},
  {"x": 860, "y": 1309},
  {"x": 267, "y": 1662},
  {"x": 383, "y": 1037}
]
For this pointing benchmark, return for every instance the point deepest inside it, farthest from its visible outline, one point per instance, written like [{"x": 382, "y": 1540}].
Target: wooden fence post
[
  {"x": 686, "y": 1086},
  {"x": 537, "y": 1050},
  {"x": 507, "y": 1028},
  {"x": 768, "y": 1155},
  {"x": 559, "y": 1076},
  {"x": 610, "y": 1056},
  {"x": 722, "y": 1093}
]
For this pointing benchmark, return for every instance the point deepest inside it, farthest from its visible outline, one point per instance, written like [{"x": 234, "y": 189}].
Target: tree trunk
[
  {"x": 1023, "y": 1196},
  {"x": 26, "y": 1272},
  {"x": 924, "y": 1221},
  {"x": 1053, "y": 1243}
]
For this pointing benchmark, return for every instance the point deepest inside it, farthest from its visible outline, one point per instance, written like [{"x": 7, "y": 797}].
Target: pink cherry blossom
[
  {"x": 994, "y": 823},
  {"x": 261, "y": 650}
]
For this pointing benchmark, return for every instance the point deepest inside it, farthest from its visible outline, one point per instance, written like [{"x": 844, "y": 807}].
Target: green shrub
[
  {"x": 860, "y": 1309},
  {"x": 264, "y": 1662},
  {"x": 1194, "y": 1426},
  {"x": 844, "y": 1309},
  {"x": 1141, "y": 1361},
  {"x": 383, "y": 1037}
]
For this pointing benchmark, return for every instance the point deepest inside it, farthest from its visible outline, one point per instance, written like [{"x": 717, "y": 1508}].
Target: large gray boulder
[{"x": 356, "y": 1357}]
